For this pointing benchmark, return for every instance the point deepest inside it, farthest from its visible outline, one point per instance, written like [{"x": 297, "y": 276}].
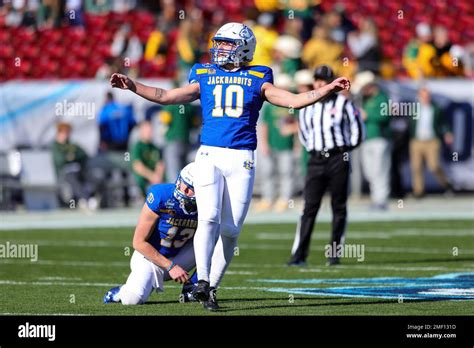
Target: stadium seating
[{"x": 72, "y": 52}]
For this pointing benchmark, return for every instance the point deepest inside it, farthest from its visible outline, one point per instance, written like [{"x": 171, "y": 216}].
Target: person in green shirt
[
  {"x": 277, "y": 153},
  {"x": 70, "y": 162},
  {"x": 376, "y": 149},
  {"x": 179, "y": 119},
  {"x": 147, "y": 165}
]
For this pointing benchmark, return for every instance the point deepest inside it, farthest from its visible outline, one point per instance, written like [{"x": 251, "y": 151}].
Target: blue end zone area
[{"x": 452, "y": 286}]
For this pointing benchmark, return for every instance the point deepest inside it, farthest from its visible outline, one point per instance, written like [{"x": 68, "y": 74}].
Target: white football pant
[
  {"x": 146, "y": 276},
  {"x": 223, "y": 185}
]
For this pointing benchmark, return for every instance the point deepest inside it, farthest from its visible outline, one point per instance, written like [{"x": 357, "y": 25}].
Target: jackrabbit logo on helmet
[{"x": 245, "y": 33}]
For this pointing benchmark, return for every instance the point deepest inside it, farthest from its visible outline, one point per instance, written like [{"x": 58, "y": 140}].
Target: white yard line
[
  {"x": 73, "y": 243},
  {"x": 171, "y": 286},
  {"x": 126, "y": 264},
  {"x": 15, "y": 282},
  {"x": 375, "y": 249},
  {"x": 372, "y": 235},
  {"x": 65, "y": 263},
  {"x": 58, "y": 278},
  {"x": 43, "y": 314}
]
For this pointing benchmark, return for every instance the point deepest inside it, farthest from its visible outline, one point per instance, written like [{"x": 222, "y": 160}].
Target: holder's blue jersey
[
  {"x": 230, "y": 102},
  {"x": 174, "y": 227}
]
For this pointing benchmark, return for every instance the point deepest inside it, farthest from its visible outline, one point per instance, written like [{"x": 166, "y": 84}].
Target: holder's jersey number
[{"x": 185, "y": 235}]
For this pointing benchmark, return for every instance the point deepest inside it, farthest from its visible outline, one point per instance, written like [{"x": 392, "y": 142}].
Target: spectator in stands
[
  {"x": 364, "y": 45},
  {"x": 98, "y": 7},
  {"x": 427, "y": 128},
  {"x": 19, "y": 13},
  {"x": 434, "y": 59},
  {"x": 345, "y": 24},
  {"x": 410, "y": 55},
  {"x": 468, "y": 60},
  {"x": 293, "y": 26},
  {"x": 123, "y": 6},
  {"x": 286, "y": 55},
  {"x": 376, "y": 147},
  {"x": 70, "y": 162},
  {"x": 336, "y": 30},
  {"x": 74, "y": 13},
  {"x": 50, "y": 14},
  {"x": 156, "y": 46},
  {"x": 179, "y": 119},
  {"x": 321, "y": 49},
  {"x": 458, "y": 60},
  {"x": 147, "y": 164},
  {"x": 188, "y": 44},
  {"x": 108, "y": 67},
  {"x": 11, "y": 13},
  {"x": 299, "y": 18},
  {"x": 266, "y": 36},
  {"x": 277, "y": 153},
  {"x": 266, "y": 6},
  {"x": 128, "y": 47}
]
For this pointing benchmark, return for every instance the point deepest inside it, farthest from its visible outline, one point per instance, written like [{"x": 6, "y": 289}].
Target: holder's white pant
[{"x": 146, "y": 276}]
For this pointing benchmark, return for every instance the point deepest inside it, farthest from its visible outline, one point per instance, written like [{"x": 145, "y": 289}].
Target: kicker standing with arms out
[{"x": 231, "y": 93}]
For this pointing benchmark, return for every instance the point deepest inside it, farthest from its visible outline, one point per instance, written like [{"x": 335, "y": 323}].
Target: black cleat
[
  {"x": 299, "y": 263},
  {"x": 211, "y": 304},
  {"x": 333, "y": 261},
  {"x": 187, "y": 293},
  {"x": 201, "y": 291}
]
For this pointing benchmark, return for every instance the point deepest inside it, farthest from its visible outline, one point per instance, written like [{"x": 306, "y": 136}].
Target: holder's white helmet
[
  {"x": 186, "y": 176},
  {"x": 241, "y": 36}
]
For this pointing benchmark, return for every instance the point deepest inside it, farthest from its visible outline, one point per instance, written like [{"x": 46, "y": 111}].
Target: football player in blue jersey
[
  {"x": 163, "y": 242},
  {"x": 231, "y": 92}
]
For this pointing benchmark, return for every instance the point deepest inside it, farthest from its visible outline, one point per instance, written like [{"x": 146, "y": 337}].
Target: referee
[{"x": 328, "y": 129}]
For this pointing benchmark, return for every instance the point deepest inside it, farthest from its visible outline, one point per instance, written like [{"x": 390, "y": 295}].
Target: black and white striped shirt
[{"x": 332, "y": 123}]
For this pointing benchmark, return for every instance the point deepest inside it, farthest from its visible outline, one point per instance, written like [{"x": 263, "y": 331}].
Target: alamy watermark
[
  {"x": 407, "y": 109},
  {"x": 335, "y": 250},
  {"x": 19, "y": 251},
  {"x": 76, "y": 109},
  {"x": 37, "y": 331}
]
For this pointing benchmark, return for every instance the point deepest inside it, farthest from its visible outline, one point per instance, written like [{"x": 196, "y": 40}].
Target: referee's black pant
[{"x": 323, "y": 173}]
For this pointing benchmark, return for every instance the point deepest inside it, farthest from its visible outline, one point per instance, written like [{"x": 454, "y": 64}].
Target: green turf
[{"x": 77, "y": 266}]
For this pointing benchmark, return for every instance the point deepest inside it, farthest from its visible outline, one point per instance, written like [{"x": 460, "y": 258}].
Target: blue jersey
[
  {"x": 174, "y": 227},
  {"x": 230, "y": 102}
]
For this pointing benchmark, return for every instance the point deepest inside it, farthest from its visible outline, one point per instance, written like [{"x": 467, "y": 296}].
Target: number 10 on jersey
[{"x": 229, "y": 109}]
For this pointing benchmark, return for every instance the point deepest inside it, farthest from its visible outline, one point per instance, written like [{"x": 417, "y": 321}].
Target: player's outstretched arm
[
  {"x": 180, "y": 95},
  {"x": 280, "y": 97},
  {"x": 146, "y": 223}
]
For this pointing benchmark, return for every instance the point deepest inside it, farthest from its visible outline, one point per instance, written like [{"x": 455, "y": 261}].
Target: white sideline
[{"x": 432, "y": 208}]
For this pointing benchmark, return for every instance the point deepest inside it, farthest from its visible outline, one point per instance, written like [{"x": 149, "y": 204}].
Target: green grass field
[{"x": 77, "y": 266}]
